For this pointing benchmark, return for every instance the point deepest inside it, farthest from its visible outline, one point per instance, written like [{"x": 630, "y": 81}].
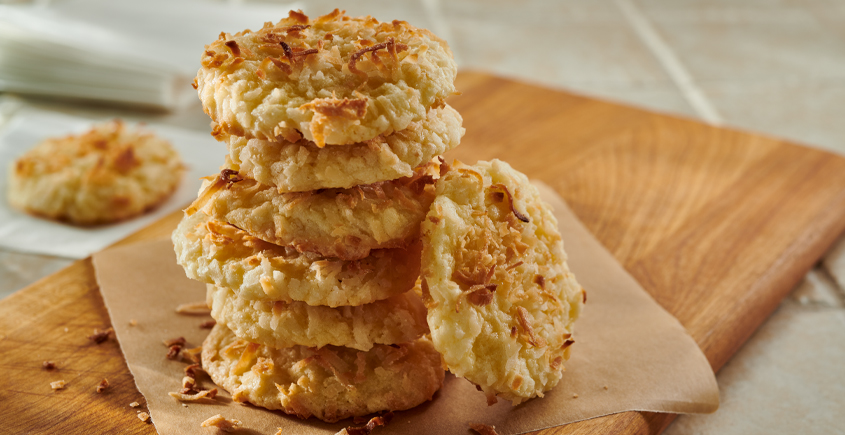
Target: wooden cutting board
[{"x": 718, "y": 225}]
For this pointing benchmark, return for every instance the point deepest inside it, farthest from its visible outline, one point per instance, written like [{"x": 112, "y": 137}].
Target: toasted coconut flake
[
  {"x": 196, "y": 397},
  {"x": 491, "y": 397},
  {"x": 391, "y": 46},
  {"x": 504, "y": 189},
  {"x": 178, "y": 340},
  {"x": 374, "y": 422},
  {"x": 173, "y": 351},
  {"x": 194, "y": 308},
  {"x": 482, "y": 295},
  {"x": 540, "y": 280},
  {"x": 103, "y": 385},
  {"x": 188, "y": 384},
  {"x": 246, "y": 357},
  {"x": 222, "y": 423},
  {"x": 58, "y": 385},
  {"x": 100, "y": 336},
  {"x": 334, "y": 107},
  {"x": 48, "y": 365},
  {"x": 295, "y": 55},
  {"x": 284, "y": 67},
  {"x": 287, "y": 50},
  {"x": 525, "y": 323},
  {"x": 555, "y": 364},
  {"x": 126, "y": 161},
  {"x": 567, "y": 343},
  {"x": 208, "y": 324},
  {"x": 214, "y": 60},
  {"x": 483, "y": 429},
  {"x": 192, "y": 356},
  {"x": 230, "y": 177},
  {"x": 298, "y": 16},
  {"x": 192, "y": 370},
  {"x": 143, "y": 416},
  {"x": 233, "y": 47},
  {"x": 444, "y": 167},
  {"x": 296, "y": 28}
]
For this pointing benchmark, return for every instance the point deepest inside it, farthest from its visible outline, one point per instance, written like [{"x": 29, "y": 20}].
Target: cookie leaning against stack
[{"x": 309, "y": 238}]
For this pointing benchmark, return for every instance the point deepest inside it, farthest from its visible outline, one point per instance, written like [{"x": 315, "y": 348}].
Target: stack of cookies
[{"x": 309, "y": 238}]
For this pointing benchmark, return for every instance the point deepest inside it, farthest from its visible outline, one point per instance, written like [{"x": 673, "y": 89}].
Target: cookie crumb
[
  {"x": 173, "y": 351},
  {"x": 178, "y": 340},
  {"x": 190, "y": 396},
  {"x": 184, "y": 405},
  {"x": 483, "y": 429},
  {"x": 103, "y": 385},
  {"x": 194, "y": 309},
  {"x": 133, "y": 322},
  {"x": 222, "y": 423},
  {"x": 279, "y": 432},
  {"x": 192, "y": 356},
  {"x": 208, "y": 324},
  {"x": 191, "y": 370},
  {"x": 100, "y": 336},
  {"x": 66, "y": 329},
  {"x": 134, "y": 404},
  {"x": 58, "y": 385},
  {"x": 374, "y": 422},
  {"x": 605, "y": 387},
  {"x": 48, "y": 365},
  {"x": 143, "y": 416},
  {"x": 574, "y": 395}
]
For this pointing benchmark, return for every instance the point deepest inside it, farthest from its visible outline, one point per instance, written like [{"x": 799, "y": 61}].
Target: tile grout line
[
  {"x": 670, "y": 62},
  {"x": 434, "y": 13}
]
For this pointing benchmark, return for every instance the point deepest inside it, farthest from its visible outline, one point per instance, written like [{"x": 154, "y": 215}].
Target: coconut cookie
[
  {"x": 218, "y": 253},
  {"x": 398, "y": 319},
  {"x": 501, "y": 300},
  {"x": 341, "y": 223},
  {"x": 107, "y": 174},
  {"x": 303, "y": 166},
  {"x": 331, "y": 383},
  {"x": 332, "y": 80}
]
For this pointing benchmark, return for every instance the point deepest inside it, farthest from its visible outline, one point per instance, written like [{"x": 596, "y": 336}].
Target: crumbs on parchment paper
[
  {"x": 222, "y": 423},
  {"x": 194, "y": 309},
  {"x": 374, "y": 422}
]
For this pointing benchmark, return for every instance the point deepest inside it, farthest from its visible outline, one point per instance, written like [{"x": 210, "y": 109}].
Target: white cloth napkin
[
  {"x": 22, "y": 232},
  {"x": 129, "y": 52}
]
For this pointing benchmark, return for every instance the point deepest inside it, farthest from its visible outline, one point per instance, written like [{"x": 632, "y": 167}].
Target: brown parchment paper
[{"x": 624, "y": 341}]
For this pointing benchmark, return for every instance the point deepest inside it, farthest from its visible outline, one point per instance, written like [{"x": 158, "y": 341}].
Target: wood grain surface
[{"x": 717, "y": 225}]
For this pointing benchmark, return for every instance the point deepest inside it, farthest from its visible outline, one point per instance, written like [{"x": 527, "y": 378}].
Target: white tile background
[{"x": 770, "y": 66}]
